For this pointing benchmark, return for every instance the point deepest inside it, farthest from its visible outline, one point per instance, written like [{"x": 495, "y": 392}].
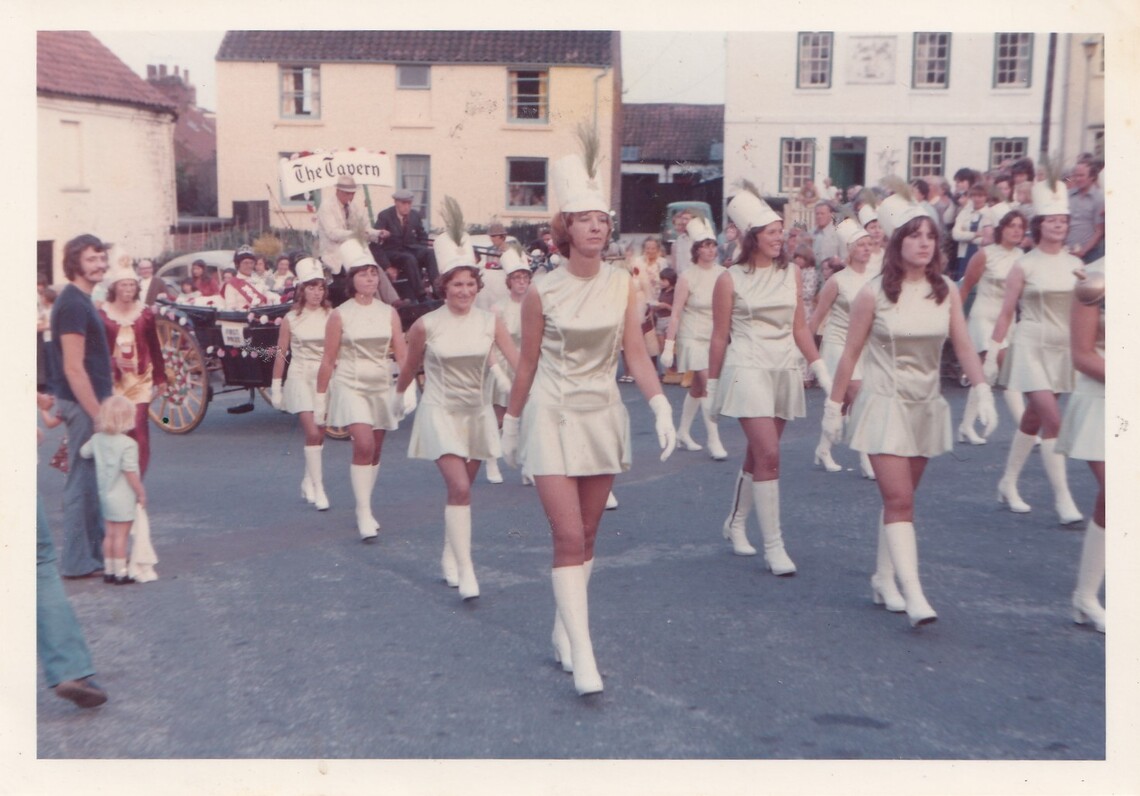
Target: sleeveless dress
[
  {"x": 696, "y": 319},
  {"x": 849, "y": 283},
  {"x": 511, "y": 314},
  {"x": 761, "y": 374},
  {"x": 900, "y": 409},
  {"x": 1039, "y": 356},
  {"x": 1082, "y": 427},
  {"x": 306, "y": 346},
  {"x": 455, "y": 416},
  {"x": 362, "y": 382},
  {"x": 574, "y": 422},
  {"x": 991, "y": 290}
]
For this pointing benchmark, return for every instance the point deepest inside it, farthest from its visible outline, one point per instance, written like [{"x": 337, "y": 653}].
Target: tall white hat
[
  {"x": 867, "y": 214},
  {"x": 453, "y": 249},
  {"x": 118, "y": 273},
  {"x": 355, "y": 254},
  {"x": 748, "y": 211},
  {"x": 514, "y": 259},
  {"x": 995, "y": 213},
  {"x": 308, "y": 269},
  {"x": 1050, "y": 198},
  {"x": 699, "y": 229},
  {"x": 576, "y": 180},
  {"x": 850, "y": 231},
  {"x": 898, "y": 208}
]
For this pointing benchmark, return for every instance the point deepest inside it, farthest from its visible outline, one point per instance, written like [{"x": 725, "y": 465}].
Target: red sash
[{"x": 247, "y": 291}]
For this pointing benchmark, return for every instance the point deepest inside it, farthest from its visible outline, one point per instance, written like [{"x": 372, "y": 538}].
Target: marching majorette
[
  {"x": 691, "y": 324},
  {"x": 756, "y": 378},
  {"x": 566, "y": 423},
  {"x": 516, "y": 268},
  {"x": 455, "y": 426},
  {"x": 359, "y": 335},
  {"x": 302, "y": 340},
  {"x": 899, "y": 322},
  {"x": 869, "y": 220},
  {"x": 1038, "y": 361},
  {"x": 834, "y": 304}
]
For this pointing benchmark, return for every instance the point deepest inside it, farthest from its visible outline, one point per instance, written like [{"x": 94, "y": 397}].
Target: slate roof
[
  {"x": 668, "y": 132},
  {"x": 576, "y": 47},
  {"x": 73, "y": 63}
]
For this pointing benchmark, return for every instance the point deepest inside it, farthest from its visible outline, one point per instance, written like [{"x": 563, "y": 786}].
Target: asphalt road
[{"x": 274, "y": 633}]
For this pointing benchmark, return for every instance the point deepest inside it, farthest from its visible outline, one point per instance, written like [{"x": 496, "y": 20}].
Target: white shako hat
[
  {"x": 1050, "y": 198},
  {"x": 453, "y": 248},
  {"x": 867, "y": 214},
  {"x": 576, "y": 180},
  {"x": 898, "y": 208},
  {"x": 355, "y": 254},
  {"x": 514, "y": 259},
  {"x": 849, "y": 231},
  {"x": 700, "y": 229},
  {"x": 117, "y": 273},
  {"x": 748, "y": 211},
  {"x": 308, "y": 269}
]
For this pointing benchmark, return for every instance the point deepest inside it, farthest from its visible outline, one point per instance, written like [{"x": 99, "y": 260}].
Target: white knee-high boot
[
  {"x": 375, "y": 475},
  {"x": 716, "y": 449},
  {"x": 903, "y": 547},
  {"x": 865, "y": 467},
  {"x": 1054, "y": 463},
  {"x": 884, "y": 591},
  {"x": 558, "y": 636},
  {"x": 766, "y": 499},
  {"x": 314, "y": 473},
  {"x": 735, "y": 527},
  {"x": 823, "y": 455},
  {"x": 1019, "y": 450},
  {"x": 448, "y": 564},
  {"x": 573, "y": 606},
  {"x": 457, "y": 525},
  {"x": 1090, "y": 575},
  {"x": 494, "y": 474},
  {"x": 360, "y": 476},
  {"x": 1015, "y": 402},
  {"x": 966, "y": 431},
  {"x": 689, "y": 411}
]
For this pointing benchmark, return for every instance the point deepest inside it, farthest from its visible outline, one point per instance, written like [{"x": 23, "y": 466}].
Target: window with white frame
[
  {"x": 300, "y": 92},
  {"x": 1005, "y": 150},
  {"x": 813, "y": 66},
  {"x": 927, "y": 158},
  {"x": 413, "y": 76},
  {"x": 1013, "y": 59},
  {"x": 526, "y": 183},
  {"x": 413, "y": 172},
  {"x": 931, "y": 60},
  {"x": 529, "y": 95},
  {"x": 797, "y": 163}
]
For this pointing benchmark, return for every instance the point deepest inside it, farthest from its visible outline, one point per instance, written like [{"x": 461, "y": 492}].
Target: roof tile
[
  {"x": 670, "y": 132},
  {"x": 74, "y": 63}
]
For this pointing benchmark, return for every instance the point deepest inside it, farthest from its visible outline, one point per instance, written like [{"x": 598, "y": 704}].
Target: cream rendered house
[{"x": 477, "y": 115}]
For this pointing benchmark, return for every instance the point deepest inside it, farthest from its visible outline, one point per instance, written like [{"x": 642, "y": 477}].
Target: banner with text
[{"x": 308, "y": 171}]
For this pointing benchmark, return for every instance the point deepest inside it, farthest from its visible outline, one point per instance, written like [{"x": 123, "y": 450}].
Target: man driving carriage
[{"x": 404, "y": 242}]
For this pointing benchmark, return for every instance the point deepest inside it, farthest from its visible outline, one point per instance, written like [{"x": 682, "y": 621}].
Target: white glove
[
  {"x": 510, "y": 441},
  {"x": 822, "y": 376},
  {"x": 275, "y": 396},
  {"x": 990, "y": 367},
  {"x": 663, "y": 425},
  {"x": 320, "y": 408},
  {"x": 410, "y": 399},
  {"x": 833, "y": 421},
  {"x": 396, "y": 406},
  {"x": 667, "y": 358},
  {"x": 502, "y": 380},
  {"x": 710, "y": 406},
  {"x": 987, "y": 412}
]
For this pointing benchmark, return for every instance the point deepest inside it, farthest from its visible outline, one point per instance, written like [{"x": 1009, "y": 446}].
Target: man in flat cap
[
  {"x": 339, "y": 218},
  {"x": 404, "y": 242}
]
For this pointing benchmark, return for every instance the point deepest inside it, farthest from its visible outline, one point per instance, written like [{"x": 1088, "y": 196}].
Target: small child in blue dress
[{"x": 120, "y": 486}]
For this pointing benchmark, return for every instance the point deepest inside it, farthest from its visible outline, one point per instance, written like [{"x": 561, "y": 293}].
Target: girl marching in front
[
  {"x": 835, "y": 305},
  {"x": 359, "y": 335},
  {"x": 757, "y": 378},
  {"x": 455, "y": 426},
  {"x": 121, "y": 488},
  {"x": 574, "y": 427},
  {"x": 302, "y": 339},
  {"x": 1038, "y": 362},
  {"x": 1082, "y": 433},
  {"x": 692, "y": 315},
  {"x": 899, "y": 322}
]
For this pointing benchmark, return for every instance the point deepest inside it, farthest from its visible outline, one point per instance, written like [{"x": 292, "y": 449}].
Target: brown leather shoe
[{"x": 84, "y": 692}]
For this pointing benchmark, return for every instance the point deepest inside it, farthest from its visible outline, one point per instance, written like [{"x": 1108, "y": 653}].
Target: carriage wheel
[{"x": 181, "y": 403}]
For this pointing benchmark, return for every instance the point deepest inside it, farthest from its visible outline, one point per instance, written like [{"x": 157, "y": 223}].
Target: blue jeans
[
  {"x": 82, "y": 518},
  {"x": 59, "y": 640}
]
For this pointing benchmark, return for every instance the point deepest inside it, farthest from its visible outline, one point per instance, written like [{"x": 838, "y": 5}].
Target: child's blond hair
[{"x": 116, "y": 415}]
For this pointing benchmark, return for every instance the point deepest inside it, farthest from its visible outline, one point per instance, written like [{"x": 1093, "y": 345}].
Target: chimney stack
[{"x": 151, "y": 71}]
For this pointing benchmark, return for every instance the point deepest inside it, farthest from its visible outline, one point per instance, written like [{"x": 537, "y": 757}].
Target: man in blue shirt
[{"x": 1086, "y": 213}]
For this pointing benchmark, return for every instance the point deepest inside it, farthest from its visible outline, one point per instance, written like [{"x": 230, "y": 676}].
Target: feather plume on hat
[
  {"x": 748, "y": 210},
  {"x": 575, "y": 180},
  {"x": 453, "y": 249},
  {"x": 899, "y": 207},
  {"x": 1050, "y": 196},
  {"x": 514, "y": 258}
]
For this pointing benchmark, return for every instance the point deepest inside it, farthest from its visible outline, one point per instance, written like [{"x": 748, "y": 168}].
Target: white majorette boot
[
  {"x": 314, "y": 474},
  {"x": 448, "y": 565},
  {"x": 865, "y": 467},
  {"x": 457, "y": 525},
  {"x": 735, "y": 527},
  {"x": 884, "y": 591},
  {"x": 1087, "y": 609},
  {"x": 1054, "y": 462},
  {"x": 1015, "y": 403},
  {"x": 1019, "y": 450},
  {"x": 375, "y": 475},
  {"x": 360, "y": 476},
  {"x": 494, "y": 474},
  {"x": 823, "y": 455},
  {"x": 689, "y": 411},
  {"x": 966, "y": 431},
  {"x": 307, "y": 483},
  {"x": 903, "y": 547},
  {"x": 558, "y": 636},
  {"x": 573, "y": 606},
  {"x": 611, "y": 501},
  {"x": 766, "y": 499},
  {"x": 716, "y": 449}
]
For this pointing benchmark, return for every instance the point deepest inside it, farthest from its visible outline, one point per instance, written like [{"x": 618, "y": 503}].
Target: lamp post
[{"x": 1089, "y": 45}]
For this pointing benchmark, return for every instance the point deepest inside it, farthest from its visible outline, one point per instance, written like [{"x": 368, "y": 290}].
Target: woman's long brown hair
[{"x": 893, "y": 267}]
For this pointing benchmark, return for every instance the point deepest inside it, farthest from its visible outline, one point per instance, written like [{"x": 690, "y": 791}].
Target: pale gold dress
[
  {"x": 510, "y": 312},
  {"x": 900, "y": 409},
  {"x": 574, "y": 422},
  {"x": 1039, "y": 355},
  {"x": 455, "y": 415},
  {"x": 696, "y": 319},
  {"x": 761, "y": 375},
  {"x": 362, "y": 382},
  {"x": 1082, "y": 428},
  {"x": 306, "y": 347},
  {"x": 848, "y": 284},
  {"x": 990, "y": 294}
]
